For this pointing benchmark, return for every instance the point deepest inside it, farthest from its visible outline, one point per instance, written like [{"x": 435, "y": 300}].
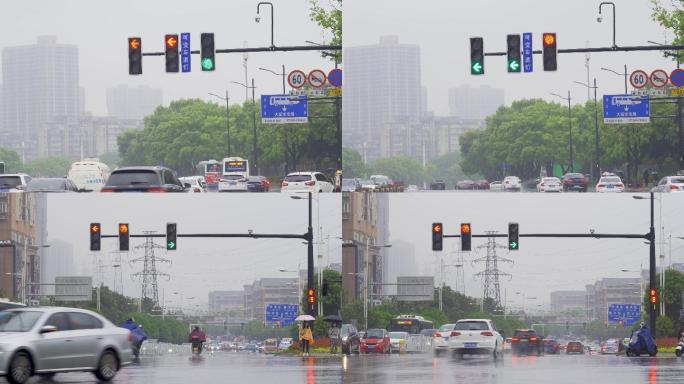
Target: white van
[{"x": 89, "y": 174}]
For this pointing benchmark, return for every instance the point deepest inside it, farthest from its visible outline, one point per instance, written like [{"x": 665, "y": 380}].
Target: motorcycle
[
  {"x": 679, "y": 349},
  {"x": 642, "y": 342},
  {"x": 196, "y": 347}
]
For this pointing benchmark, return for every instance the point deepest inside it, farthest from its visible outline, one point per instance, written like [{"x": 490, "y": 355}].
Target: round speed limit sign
[
  {"x": 296, "y": 79},
  {"x": 638, "y": 79}
]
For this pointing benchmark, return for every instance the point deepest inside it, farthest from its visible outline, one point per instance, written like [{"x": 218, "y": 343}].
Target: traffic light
[
  {"x": 171, "y": 44},
  {"x": 95, "y": 233},
  {"x": 476, "y": 56},
  {"x": 653, "y": 297},
  {"x": 171, "y": 235},
  {"x": 513, "y": 44},
  {"x": 466, "y": 235},
  {"x": 207, "y": 52},
  {"x": 513, "y": 237},
  {"x": 549, "y": 51},
  {"x": 123, "y": 236},
  {"x": 134, "y": 56},
  {"x": 437, "y": 236},
  {"x": 311, "y": 297}
]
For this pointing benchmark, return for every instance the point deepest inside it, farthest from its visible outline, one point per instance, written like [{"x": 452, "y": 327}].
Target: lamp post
[
  {"x": 277, "y": 74},
  {"x": 366, "y": 277},
  {"x": 255, "y": 152},
  {"x": 227, "y": 100},
  {"x": 257, "y": 18},
  {"x": 596, "y": 169},
  {"x": 625, "y": 74},
  {"x": 572, "y": 165},
  {"x": 652, "y": 266},
  {"x": 309, "y": 253},
  {"x": 600, "y": 18},
  {"x": 299, "y": 281}
]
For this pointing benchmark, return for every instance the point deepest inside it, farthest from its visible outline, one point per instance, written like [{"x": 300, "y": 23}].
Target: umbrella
[
  {"x": 305, "y": 318},
  {"x": 333, "y": 318}
]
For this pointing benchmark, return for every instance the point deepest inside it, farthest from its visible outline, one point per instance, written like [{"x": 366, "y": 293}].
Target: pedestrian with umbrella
[
  {"x": 334, "y": 332},
  {"x": 305, "y": 334}
]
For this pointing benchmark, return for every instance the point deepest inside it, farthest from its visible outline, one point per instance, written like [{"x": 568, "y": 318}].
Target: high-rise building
[
  {"x": 474, "y": 103},
  {"x": 383, "y": 84},
  {"x": 39, "y": 84},
  {"x": 227, "y": 301},
  {"x": 133, "y": 103}
]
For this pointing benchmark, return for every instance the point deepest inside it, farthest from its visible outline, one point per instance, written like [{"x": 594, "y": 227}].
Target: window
[
  {"x": 471, "y": 326},
  {"x": 59, "y": 320},
  {"x": 84, "y": 321},
  {"x": 321, "y": 177}
]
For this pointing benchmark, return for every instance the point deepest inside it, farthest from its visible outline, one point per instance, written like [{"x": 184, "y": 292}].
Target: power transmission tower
[
  {"x": 458, "y": 262},
  {"x": 148, "y": 276},
  {"x": 491, "y": 273}
]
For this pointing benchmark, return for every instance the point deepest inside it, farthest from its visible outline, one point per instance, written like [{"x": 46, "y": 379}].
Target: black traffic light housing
[
  {"x": 476, "y": 56},
  {"x": 124, "y": 235},
  {"x": 171, "y": 50},
  {"x": 653, "y": 297},
  {"x": 95, "y": 235},
  {"x": 513, "y": 53},
  {"x": 513, "y": 237},
  {"x": 171, "y": 237},
  {"x": 311, "y": 298},
  {"x": 466, "y": 236},
  {"x": 134, "y": 56},
  {"x": 549, "y": 51},
  {"x": 437, "y": 236},
  {"x": 207, "y": 52}
]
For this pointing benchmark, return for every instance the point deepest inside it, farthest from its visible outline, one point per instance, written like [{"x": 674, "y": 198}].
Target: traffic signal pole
[
  {"x": 310, "y": 258},
  {"x": 652, "y": 273}
]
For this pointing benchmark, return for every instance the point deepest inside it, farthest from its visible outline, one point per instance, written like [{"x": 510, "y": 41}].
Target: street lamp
[
  {"x": 599, "y": 19},
  {"x": 255, "y": 153},
  {"x": 258, "y": 18},
  {"x": 572, "y": 165},
  {"x": 596, "y": 169},
  {"x": 299, "y": 282},
  {"x": 309, "y": 251},
  {"x": 277, "y": 74},
  {"x": 226, "y": 99},
  {"x": 652, "y": 265},
  {"x": 625, "y": 74}
]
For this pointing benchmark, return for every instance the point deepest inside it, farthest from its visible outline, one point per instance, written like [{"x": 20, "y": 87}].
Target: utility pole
[{"x": 490, "y": 275}]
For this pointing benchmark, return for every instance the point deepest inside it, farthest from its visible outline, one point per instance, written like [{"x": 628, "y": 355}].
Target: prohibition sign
[
  {"x": 659, "y": 78},
  {"x": 317, "y": 78}
]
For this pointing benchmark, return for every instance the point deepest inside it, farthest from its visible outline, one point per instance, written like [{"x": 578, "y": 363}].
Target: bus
[
  {"x": 413, "y": 324},
  {"x": 235, "y": 175},
  {"x": 211, "y": 171},
  {"x": 89, "y": 174}
]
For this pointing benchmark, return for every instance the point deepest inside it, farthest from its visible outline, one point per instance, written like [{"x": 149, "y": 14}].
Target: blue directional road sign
[
  {"x": 283, "y": 313},
  {"x": 629, "y": 314},
  {"x": 527, "y": 52},
  {"x": 284, "y": 109},
  {"x": 185, "y": 57},
  {"x": 625, "y": 109}
]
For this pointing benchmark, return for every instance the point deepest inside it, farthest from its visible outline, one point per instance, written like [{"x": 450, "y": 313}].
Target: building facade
[
  {"x": 569, "y": 303},
  {"x": 133, "y": 103},
  {"x": 227, "y": 302},
  {"x": 470, "y": 103},
  {"x": 265, "y": 291}
]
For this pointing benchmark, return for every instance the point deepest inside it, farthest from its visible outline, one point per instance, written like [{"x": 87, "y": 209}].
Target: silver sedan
[{"x": 46, "y": 340}]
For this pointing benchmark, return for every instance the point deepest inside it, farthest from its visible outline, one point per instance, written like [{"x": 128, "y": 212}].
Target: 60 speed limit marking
[
  {"x": 638, "y": 79},
  {"x": 296, "y": 79}
]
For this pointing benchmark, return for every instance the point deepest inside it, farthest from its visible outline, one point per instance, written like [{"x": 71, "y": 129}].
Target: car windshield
[
  {"x": 297, "y": 178},
  {"x": 46, "y": 185},
  {"x": 428, "y": 332},
  {"x": 446, "y": 327},
  {"x": 374, "y": 334},
  {"x": 134, "y": 177},
  {"x": 345, "y": 330},
  {"x": 524, "y": 333},
  {"x": 254, "y": 179},
  {"x": 610, "y": 180},
  {"x": 574, "y": 176},
  {"x": 471, "y": 326},
  {"x": 9, "y": 181},
  {"x": 677, "y": 180},
  {"x": 18, "y": 321},
  {"x": 398, "y": 335}
]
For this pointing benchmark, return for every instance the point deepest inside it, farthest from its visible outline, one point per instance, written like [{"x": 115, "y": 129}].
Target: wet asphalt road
[{"x": 227, "y": 367}]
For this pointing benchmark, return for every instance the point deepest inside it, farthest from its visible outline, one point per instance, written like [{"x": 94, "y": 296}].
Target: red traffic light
[
  {"x": 134, "y": 43},
  {"x": 95, "y": 228},
  {"x": 123, "y": 228},
  {"x": 465, "y": 228},
  {"x": 654, "y": 296},
  {"x": 549, "y": 38},
  {"x": 171, "y": 41},
  {"x": 437, "y": 228},
  {"x": 312, "y": 296}
]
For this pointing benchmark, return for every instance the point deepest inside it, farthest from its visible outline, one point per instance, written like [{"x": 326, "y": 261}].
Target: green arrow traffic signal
[
  {"x": 171, "y": 245},
  {"x": 207, "y": 64},
  {"x": 476, "y": 68},
  {"x": 513, "y": 245},
  {"x": 513, "y": 66}
]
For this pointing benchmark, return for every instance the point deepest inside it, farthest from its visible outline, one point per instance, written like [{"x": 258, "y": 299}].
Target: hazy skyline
[
  {"x": 100, "y": 30},
  {"x": 443, "y": 28}
]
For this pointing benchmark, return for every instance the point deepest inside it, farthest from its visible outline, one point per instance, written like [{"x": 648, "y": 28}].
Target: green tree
[
  {"x": 56, "y": 166},
  {"x": 331, "y": 21},
  {"x": 353, "y": 164},
  {"x": 446, "y": 167},
  {"x": 112, "y": 159},
  {"x": 400, "y": 168},
  {"x": 665, "y": 327},
  {"x": 11, "y": 159}
]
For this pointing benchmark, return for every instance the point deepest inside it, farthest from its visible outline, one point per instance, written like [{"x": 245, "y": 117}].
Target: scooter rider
[{"x": 197, "y": 336}]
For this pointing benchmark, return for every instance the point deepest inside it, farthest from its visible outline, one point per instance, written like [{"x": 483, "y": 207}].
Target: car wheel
[
  {"x": 107, "y": 367},
  {"x": 20, "y": 369}
]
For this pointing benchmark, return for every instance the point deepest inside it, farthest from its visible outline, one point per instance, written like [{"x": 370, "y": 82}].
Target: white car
[
  {"x": 550, "y": 184},
  {"x": 232, "y": 183},
  {"x": 367, "y": 185},
  {"x": 670, "y": 184},
  {"x": 412, "y": 188},
  {"x": 306, "y": 182},
  {"x": 381, "y": 180},
  {"x": 476, "y": 337},
  {"x": 197, "y": 184},
  {"x": 15, "y": 182},
  {"x": 511, "y": 183},
  {"x": 611, "y": 183},
  {"x": 398, "y": 341},
  {"x": 440, "y": 340},
  {"x": 496, "y": 186},
  {"x": 285, "y": 343}
]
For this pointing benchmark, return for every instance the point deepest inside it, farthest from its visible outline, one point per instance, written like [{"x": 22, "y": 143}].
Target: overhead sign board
[
  {"x": 628, "y": 314},
  {"x": 626, "y": 109},
  {"x": 185, "y": 52},
  {"x": 527, "y": 51},
  {"x": 638, "y": 79},
  {"x": 296, "y": 79},
  {"x": 73, "y": 288},
  {"x": 284, "y": 314},
  {"x": 284, "y": 109},
  {"x": 415, "y": 288}
]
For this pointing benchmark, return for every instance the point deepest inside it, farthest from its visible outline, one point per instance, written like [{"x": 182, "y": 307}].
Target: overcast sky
[
  {"x": 100, "y": 30},
  {"x": 443, "y": 28},
  {"x": 199, "y": 265},
  {"x": 541, "y": 265}
]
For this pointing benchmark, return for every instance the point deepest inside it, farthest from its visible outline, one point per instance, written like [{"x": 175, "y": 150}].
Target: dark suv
[
  {"x": 575, "y": 182},
  {"x": 144, "y": 179},
  {"x": 526, "y": 342},
  {"x": 438, "y": 185},
  {"x": 351, "y": 339}
]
